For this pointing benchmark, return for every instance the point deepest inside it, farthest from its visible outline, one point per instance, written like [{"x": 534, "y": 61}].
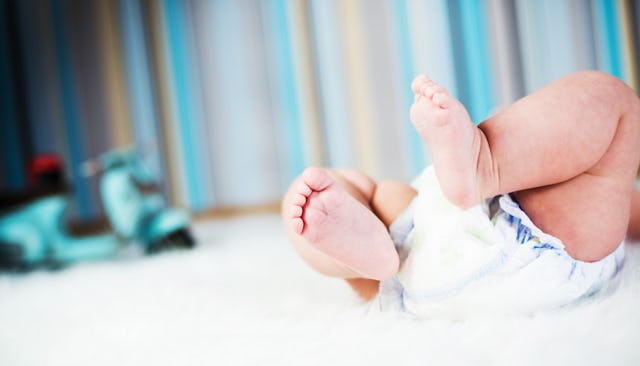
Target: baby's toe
[
  {"x": 317, "y": 178},
  {"x": 295, "y": 211},
  {"x": 418, "y": 82},
  {"x": 297, "y": 225},
  {"x": 432, "y": 89},
  {"x": 299, "y": 199},
  {"x": 441, "y": 99},
  {"x": 304, "y": 189}
]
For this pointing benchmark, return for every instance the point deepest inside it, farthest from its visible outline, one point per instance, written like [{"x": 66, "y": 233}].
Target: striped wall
[{"x": 231, "y": 99}]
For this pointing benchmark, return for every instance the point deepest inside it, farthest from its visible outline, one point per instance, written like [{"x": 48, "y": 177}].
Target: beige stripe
[
  {"x": 359, "y": 85},
  {"x": 628, "y": 45},
  {"x": 117, "y": 105},
  {"x": 306, "y": 82},
  {"x": 166, "y": 110}
]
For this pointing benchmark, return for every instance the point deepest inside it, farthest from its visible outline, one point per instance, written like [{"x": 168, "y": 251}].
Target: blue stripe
[
  {"x": 182, "y": 83},
  {"x": 138, "y": 77},
  {"x": 559, "y": 47},
  {"x": 458, "y": 52},
  {"x": 242, "y": 134},
  {"x": 13, "y": 161},
  {"x": 606, "y": 11},
  {"x": 477, "y": 59},
  {"x": 40, "y": 111},
  {"x": 416, "y": 145},
  {"x": 72, "y": 122},
  {"x": 285, "y": 71},
  {"x": 332, "y": 81}
]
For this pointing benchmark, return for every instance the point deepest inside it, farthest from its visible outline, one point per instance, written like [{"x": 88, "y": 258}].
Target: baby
[{"x": 567, "y": 155}]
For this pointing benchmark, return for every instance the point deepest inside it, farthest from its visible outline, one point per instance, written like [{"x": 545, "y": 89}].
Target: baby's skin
[
  {"x": 337, "y": 224},
  {"x": 568, "y": 153}
]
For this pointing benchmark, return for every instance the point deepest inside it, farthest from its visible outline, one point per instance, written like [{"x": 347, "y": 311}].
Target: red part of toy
[{"x": 42, "y": 166}]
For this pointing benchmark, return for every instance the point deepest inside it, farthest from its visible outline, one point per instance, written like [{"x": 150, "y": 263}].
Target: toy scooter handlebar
[
  {"x": 103, "y": 161},
  {"x": 90, "y": 168}
]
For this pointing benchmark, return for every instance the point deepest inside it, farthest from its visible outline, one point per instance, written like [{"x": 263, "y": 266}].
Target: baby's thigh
[
  {"x": 589, "y": 213},
  {"x": 390, "y": 199}
]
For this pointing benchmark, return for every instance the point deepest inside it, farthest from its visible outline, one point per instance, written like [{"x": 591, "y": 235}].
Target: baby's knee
[
  {"x": 362, "y": 182},
  {"x": 390, "y": 199},
  {"x": 595, "y": 79},
  {"x": 394, "y": 190},
  {"x": 599, "y": 81}
]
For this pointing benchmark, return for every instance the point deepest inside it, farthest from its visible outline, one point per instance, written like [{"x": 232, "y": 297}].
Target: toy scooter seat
[
  {"x": 12, "y": 199},
  {"x": 46, "y": 178}
]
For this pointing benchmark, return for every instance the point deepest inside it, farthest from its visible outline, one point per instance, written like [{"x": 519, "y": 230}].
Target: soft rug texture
[{"x": 242, "y": 297}]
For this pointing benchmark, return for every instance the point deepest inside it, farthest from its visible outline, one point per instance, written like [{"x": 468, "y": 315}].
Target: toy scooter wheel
[
  {"x": 11, "y": 257},
  {"x": 179, "y": 239}
]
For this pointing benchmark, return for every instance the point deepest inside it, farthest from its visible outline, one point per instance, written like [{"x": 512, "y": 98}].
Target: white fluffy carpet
[{"x": 244, "y": 298}]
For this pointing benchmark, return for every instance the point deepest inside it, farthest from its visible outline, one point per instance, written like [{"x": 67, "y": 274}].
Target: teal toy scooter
[
  {"x": 134, "y": 205},
  {"x": 33, "y": 231}
]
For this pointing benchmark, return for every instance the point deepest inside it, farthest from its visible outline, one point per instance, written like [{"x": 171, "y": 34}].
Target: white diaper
[{"x": 488, "y": 258}]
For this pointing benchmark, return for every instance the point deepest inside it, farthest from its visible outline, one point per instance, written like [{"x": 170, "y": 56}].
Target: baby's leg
[
  {"x": 569, "y": 151},
  {"x": 389, "y": 199},
  {"x": 328, "y": 217}
]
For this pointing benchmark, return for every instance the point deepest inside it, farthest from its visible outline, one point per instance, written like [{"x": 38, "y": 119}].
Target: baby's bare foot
[
  {"x": 453, "y": 140},
  {"x": 337, "y": 224}
]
